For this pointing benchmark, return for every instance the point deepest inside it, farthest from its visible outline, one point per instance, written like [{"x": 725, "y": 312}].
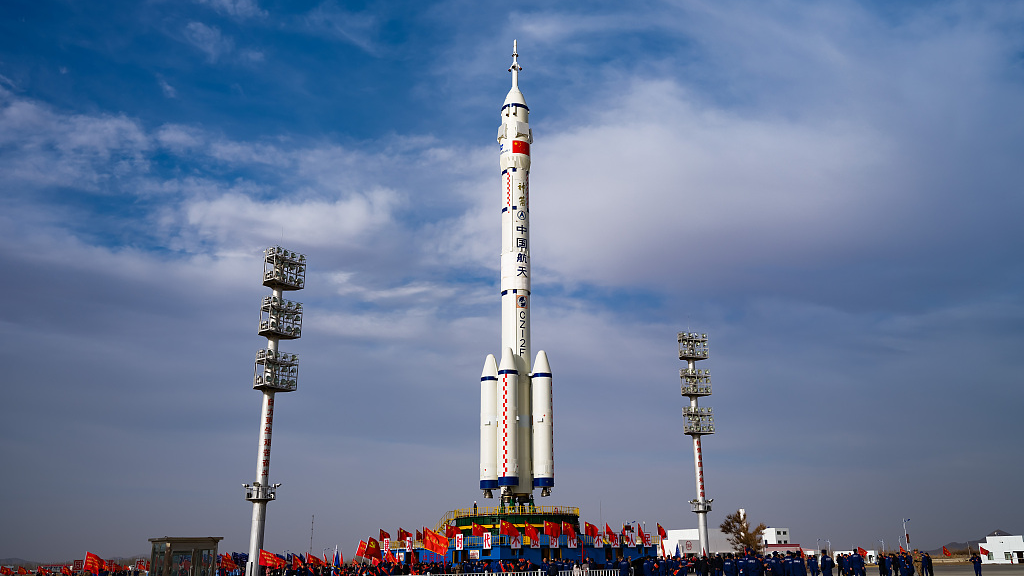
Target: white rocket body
[{"x": 523, "y": 459}]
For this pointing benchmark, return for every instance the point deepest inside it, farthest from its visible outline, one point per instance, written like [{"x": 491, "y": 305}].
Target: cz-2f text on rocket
[{"x": 516, "y": 444}]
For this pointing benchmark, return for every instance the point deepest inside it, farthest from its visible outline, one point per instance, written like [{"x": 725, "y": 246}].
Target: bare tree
[{"x": 740, "y": 534}]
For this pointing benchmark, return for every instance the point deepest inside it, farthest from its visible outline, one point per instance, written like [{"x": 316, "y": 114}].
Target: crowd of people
[{"x": 729, "y": 564}]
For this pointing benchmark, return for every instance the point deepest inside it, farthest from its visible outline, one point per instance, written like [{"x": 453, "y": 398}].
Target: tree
[{"x": 737, "y": 529}]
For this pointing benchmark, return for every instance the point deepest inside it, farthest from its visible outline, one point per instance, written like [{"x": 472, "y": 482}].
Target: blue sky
[{"x": 831, "y": 190}]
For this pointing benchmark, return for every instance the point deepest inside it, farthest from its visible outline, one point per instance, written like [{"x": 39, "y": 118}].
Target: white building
[
  {"x": 687, "y": 541},
  {"x": 776, "y": 536},
  {"x": 1003, "y": 548}
]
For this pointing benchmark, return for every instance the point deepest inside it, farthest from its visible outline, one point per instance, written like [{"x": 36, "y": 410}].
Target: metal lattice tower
[
  {"x": 275, "y": 371},
  {"x": 697, "y": 421}
]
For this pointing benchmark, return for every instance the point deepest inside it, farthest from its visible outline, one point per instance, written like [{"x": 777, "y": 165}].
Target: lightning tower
[
  {"x": 697, "y": 421},
  {"x": 516, "y": 444},
  {"x": 275, "y": 371}
]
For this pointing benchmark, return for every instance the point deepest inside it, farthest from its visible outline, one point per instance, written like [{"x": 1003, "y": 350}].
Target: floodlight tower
[
  {"x": 697, "y": 421},
  {"x": 275, "y": 371}
]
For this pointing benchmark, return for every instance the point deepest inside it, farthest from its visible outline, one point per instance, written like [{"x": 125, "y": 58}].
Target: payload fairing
[{"x": 516, "y": 442}]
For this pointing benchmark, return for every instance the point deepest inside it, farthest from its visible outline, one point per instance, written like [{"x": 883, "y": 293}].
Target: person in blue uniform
[
  {"x": 976, "y": 560},
  {"x": 812, "y": 565},
  {"x": 827, "y": 564}
]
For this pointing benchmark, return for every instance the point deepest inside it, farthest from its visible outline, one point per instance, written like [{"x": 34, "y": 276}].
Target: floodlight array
[
  {"x": 695, "y": 382},
  {"x": 280, "y": 318},
  {"x": 283, "y": 269},
  {"x": 693, "y": 346},
  {"x": 276, "y": 371}
]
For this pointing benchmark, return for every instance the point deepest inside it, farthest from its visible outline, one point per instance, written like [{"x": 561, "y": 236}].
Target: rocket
[{"x": 516, "y": 442}]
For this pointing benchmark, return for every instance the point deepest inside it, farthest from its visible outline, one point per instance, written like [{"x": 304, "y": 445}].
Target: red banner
[
  {"x": 946, "y": 552},
  {"x": 271, "y": 560},
  {"x": 93, "y": 563},
  {"x": 361, "y": 550},
  {"x": 384, "y": 535},
  {"x": 435, "y": 542},
  {"x": 983, "y": 551}
]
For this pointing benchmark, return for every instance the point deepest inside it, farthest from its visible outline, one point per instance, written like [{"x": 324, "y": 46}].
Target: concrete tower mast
[
  {"x": 697, "y": 421},
  {"x": 276, "y": 371}
]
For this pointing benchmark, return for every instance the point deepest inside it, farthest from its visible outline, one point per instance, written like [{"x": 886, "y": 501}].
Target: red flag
[
  {"x": 983, "y": 551},
  {"x": 862, "y": 551},
  {"x": 568, "y": 530},
  {"x": 228, "y": 563},
  {"x": 435, "y": 542},
  {"x": 419, "y": 535},
  {"x": 21, "y": 570},
  {"x": 373, "y": 549},
  {"x": 93, "y": 563},
  {"x": 6, "y": 571},
  {"x": 661, "y": 532},
  {"x": 65, "y": 570},
  {"x": 608, "y": 530},
  {"x": 590, "y": 530},
  {"x": 552, "y": 529},
  {"x": 508, "y": 529},
  {"x": 271, "y": 560},
  {"x": 478, "y": 530},
  {"x": 402, "y": 535},
  {"x": 361, "y": 551},
  {"x": 296, "y": 562},
  {"x": 640, "y": 533},
  {"x": 384, "y": 535},
  {"x": 901, "y": 548},
  {"x": 946, "y": 552},
  {"x": 531, "y": 532},
  {"x": 450, "y": 531}
]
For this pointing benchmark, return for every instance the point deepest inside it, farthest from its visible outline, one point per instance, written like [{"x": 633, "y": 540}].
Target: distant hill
[{"x": 972, "y": 543}]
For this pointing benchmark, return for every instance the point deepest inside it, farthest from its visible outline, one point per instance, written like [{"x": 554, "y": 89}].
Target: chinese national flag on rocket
[{"x": 946, "y": 552}]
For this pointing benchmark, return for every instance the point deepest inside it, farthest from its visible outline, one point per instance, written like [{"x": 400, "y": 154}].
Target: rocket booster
[{"x": 519, "y": 424}]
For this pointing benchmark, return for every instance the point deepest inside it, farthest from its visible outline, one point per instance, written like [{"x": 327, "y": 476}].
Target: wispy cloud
[{"x": 237, "y": 8}]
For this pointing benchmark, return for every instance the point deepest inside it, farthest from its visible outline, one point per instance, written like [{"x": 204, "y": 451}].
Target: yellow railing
[{"x": 516, "y": 510}]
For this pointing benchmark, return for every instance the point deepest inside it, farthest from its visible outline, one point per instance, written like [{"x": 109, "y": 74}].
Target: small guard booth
[{"x": 193, "y": 556}]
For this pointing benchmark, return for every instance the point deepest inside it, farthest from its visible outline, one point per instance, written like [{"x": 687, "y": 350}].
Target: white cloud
[
  {"x": 237, "y": 8},
  {"x": 209, "y": 40}
]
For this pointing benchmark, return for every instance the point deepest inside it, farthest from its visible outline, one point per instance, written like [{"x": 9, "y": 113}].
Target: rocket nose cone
[
  {"x": 541, "y": 366},
  {"x": 490, "y": 367},
  {"x": 508, "y": 360}
]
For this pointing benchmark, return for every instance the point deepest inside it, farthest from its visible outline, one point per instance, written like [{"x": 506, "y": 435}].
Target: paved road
[{"x": 967, "y": 569}]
